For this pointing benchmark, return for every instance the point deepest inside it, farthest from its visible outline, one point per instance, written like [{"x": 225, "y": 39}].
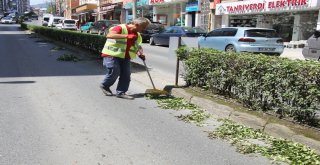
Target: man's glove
[
  {"x": 131, "y": 36},
  {"x": 142, "y": 57}
]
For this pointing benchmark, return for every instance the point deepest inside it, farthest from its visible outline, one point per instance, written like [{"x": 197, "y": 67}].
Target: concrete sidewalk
[{"x": 293, "y": 53}]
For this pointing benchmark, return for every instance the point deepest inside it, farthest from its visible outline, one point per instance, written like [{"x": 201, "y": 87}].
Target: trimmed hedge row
[
  {"x": 288, "y": 87},
  {"x": 90, "y": 42}
]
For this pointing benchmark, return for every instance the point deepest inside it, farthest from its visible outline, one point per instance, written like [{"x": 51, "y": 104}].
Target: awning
[{"x": 85, "y": 7}]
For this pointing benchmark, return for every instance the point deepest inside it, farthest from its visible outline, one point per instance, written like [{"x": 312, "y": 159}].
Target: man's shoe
[
  {"x": 106, "y": 91},
  {"x": 125, "y": 96}
]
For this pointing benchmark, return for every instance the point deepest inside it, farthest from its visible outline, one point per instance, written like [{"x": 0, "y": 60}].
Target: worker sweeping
[{"x": 123, "y": 43}]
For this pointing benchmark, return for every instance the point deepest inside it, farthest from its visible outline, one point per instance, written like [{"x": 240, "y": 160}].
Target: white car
[
  {"x": 8, "y": 20},
  {"x": 312, "y": 48},
  {"x": 53, "y": 20},
  {"x": 67, "y": 24},
  {"x": 45, "y": 19}
]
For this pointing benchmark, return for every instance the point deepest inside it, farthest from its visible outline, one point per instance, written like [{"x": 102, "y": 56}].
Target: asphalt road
[{"x": 53, "y": 112}]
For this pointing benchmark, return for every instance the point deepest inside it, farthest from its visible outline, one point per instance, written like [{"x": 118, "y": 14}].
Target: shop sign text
[
  {"x": 254, "y": 6},
  {"x": 156, "y": 1},
  {"x": 161, "y": 2}
]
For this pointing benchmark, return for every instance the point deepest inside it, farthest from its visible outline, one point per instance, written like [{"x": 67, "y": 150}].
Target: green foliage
[
  {"x": 90, "y": 42},
  {"x": 68, "y": 57},
  {"x": 273, "y": 148},
  {"x": 51, "y": 8},
  {"x": 197, "y": 116},
  {"x": 290, "y": 88},
  {"x": 57, "y": 48},
  {"x": 23, "y": 25},
  {"x": 173, "y": 103}
]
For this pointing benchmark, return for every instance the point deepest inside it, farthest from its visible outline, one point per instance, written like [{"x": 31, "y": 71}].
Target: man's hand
[
  {"x": 140, "y": 51},
  {"x": 140, "y": 54},
  {"x": 142, "y": 57},
  {"x": 131, "y": 36}
]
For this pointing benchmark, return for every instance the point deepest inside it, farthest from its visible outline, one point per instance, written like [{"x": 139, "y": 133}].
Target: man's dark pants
[{"x": 117, "y": 67}]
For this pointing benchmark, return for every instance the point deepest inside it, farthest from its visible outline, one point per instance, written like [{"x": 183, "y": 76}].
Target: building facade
[
  {"x": 69, "y": 5},
  {"x": 168, "y": 12},
  {"x": 19, "y": 6},
  {"x": 294, "y": 20}
]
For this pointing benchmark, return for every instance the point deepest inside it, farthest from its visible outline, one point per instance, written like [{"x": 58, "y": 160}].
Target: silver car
[
  {"x": 8, "y": 20},
  {"x": 243, "y": 39}
]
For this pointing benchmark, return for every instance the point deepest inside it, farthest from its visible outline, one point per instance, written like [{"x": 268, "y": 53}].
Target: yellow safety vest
[{"x": 117, "y": 47}]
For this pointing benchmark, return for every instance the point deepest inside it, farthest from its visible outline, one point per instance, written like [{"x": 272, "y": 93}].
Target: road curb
[{"x": 223, "y": 111}]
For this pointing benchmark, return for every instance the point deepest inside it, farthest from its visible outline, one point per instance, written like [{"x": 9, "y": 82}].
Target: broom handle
[{"x": 149, "y": 74}]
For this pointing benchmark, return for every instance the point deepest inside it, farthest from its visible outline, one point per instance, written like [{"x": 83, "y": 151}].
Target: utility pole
[
  {"x": 134, "y": 9},
  {"x": 98, "y": 10}
]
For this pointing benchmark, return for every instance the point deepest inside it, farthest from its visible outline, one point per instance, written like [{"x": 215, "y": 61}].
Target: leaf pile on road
[
  {"x": 197, "y": 115},
  {"x": 273, "y": 148},
  {"x": 68, "y": 57},
  {"x": 57, "y": 48}
]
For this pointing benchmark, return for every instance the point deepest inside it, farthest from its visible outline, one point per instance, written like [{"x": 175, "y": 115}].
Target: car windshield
[
  {"x": 56, "y": 20},
  {"x": 46, "y": 19},
  {"x": 70, "y": 21},
  {"x": 193, "y": 30},
  {"x": 261, "y": 33}
]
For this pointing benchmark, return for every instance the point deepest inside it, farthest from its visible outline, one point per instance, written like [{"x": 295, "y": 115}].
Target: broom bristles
[{"x": 156, "y": 92}]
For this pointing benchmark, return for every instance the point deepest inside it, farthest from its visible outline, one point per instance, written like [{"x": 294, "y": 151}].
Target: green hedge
[
  {"x": 288, "y": 87},
  {"x": 90, "y": 42}
]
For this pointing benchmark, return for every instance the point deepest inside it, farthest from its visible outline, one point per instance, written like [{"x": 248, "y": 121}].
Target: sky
[{"x": 34, "y": 2}]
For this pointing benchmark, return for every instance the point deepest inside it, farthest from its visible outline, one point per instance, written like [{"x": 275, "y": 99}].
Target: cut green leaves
[
  {"x": 173, "y": 103},
  {"x": 273, "y": 148},
  {"x": 57, "y": 48},
  {"x": 68, "y": 57},
  {"x": 197, "y": 115}
]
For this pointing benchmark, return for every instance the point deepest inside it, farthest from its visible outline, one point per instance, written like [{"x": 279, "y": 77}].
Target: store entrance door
[
  {"x": 193, "y": 18},
  {"x": 284, "y": 26}
]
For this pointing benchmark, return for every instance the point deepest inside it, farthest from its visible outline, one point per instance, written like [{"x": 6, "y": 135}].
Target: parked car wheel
[
  {"x": 151, "y": 41},
  {"x": 230, "y": 48}
]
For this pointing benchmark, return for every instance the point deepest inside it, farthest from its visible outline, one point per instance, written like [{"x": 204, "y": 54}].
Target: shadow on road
[{"x": 23, "y": 55}]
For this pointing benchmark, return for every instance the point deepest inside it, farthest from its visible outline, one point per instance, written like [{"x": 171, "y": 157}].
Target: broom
[{"x": 153, "y": 91}]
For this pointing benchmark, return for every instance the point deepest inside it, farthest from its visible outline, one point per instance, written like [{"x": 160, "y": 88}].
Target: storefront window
[
  {"x": 244, "y": 21},
  {"x": 162, "y": 19},
  {"x": 308, "y": 24},
  {"x": 283, "y": 24},
  {"x": 290, "y": 25}
]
